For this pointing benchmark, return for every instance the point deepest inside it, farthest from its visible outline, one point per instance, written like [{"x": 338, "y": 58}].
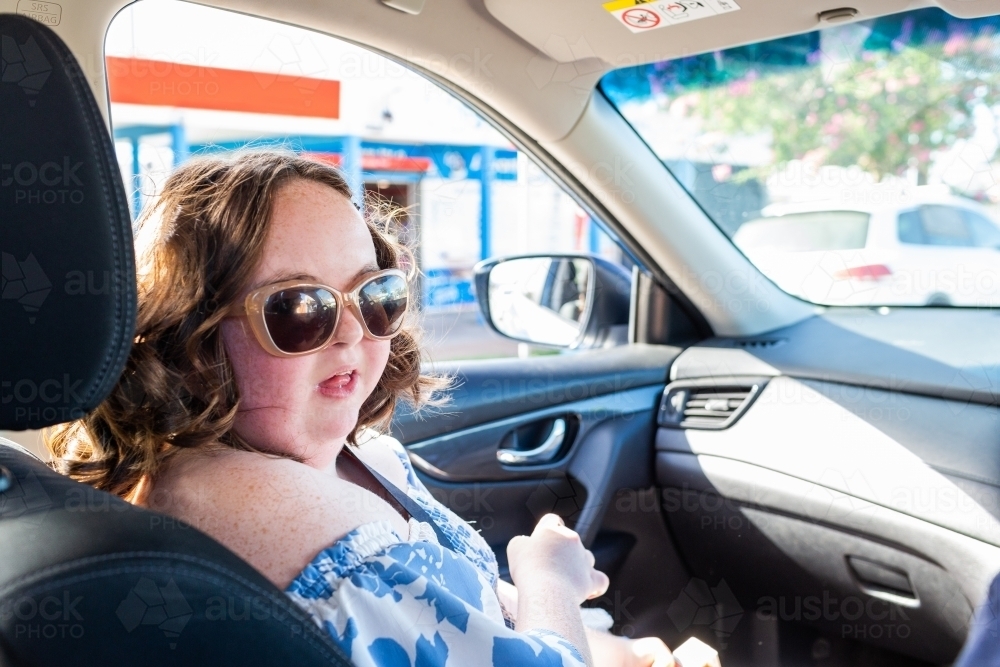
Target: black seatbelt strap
[{"x": 411, "y": 506}]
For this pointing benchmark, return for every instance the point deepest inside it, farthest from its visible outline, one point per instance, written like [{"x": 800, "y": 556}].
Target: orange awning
[
  {"x": 162, "y": 83},
  {"x": 377, "y": 162}
]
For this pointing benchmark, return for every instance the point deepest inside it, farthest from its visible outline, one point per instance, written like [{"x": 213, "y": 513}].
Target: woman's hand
[
  {"x": 552, "y": 560},
  {"x": 554, "y": 574},
  {"x": 610, "y": 650}
]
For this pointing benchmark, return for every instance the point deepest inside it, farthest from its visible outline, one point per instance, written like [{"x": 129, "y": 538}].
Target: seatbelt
[{"x": 411, "y": 506}]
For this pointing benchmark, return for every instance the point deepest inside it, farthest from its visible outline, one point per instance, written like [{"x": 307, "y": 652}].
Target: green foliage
[
  {"x": 886, "y": 112},
  {"x": 887, "y": 95}
]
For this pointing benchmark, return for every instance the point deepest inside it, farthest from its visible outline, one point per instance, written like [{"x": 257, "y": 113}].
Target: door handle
[{"x": 543, "y": 453}]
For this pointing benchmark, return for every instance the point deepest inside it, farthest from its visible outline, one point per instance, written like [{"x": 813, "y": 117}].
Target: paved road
[{"x": 462, "y": 335}]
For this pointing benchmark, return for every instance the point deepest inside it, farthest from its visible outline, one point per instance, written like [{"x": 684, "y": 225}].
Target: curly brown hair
[{"x": 197, "y": 248}]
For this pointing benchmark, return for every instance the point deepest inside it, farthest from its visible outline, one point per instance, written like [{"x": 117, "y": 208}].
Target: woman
[{"x": 272, "y": 346}]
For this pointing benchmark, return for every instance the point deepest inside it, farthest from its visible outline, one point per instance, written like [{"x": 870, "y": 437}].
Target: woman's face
[{"x": 306, "y": 406}]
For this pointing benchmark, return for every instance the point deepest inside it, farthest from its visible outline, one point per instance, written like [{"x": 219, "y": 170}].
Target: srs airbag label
[
  {"x": 643, "y": 15},
  {"x": 48, "y": 13}
]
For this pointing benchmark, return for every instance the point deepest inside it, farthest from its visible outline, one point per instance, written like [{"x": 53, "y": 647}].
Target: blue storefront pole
[
  {"x": 136, "y": 178},
  {"x": 134, "y": 135},
  {"x": 485, "y": 201},
  {"x": 178, "y": 144},
  {"x": 593, "y": 238},
  {"x": 351, "y": 165}
]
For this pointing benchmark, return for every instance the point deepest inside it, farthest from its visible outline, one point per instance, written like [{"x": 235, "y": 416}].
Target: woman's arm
[
  {"x": 554, "y": 573},
  {"x": 551, "y": 607},
  {"x": 606, "y": 649}
]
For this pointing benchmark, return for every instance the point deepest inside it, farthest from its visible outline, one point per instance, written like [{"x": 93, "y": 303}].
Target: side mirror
[{"x": 565, "y": 301}]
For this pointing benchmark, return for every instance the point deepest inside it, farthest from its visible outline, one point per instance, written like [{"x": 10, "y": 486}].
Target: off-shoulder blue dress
[{"x": 392, "y": 600}]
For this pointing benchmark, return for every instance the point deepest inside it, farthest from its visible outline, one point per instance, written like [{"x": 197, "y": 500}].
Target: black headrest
[{"x": 67, "y": 299}]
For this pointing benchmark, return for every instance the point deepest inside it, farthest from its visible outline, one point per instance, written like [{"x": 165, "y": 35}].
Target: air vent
[
  {"x": 759, "y": 343},
  {"x": 712, "y": 403}
]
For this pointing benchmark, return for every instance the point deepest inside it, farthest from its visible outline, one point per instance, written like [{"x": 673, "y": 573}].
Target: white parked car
[{"x": 932, "y": 250}]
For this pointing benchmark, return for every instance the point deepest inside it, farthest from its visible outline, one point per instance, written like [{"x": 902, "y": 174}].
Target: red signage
[
  {"x": 378, "y": 162},
  {"x": 162, "y": 83}
]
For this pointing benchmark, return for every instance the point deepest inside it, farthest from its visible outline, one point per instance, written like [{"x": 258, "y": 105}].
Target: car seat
[{"x": 86, "y": 578}]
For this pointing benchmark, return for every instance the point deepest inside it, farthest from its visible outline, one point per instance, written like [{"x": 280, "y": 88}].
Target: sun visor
[{"x": 631, "y": 32}]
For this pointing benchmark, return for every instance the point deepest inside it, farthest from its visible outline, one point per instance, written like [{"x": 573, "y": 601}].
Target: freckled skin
[{"x": 275, "y": 512}]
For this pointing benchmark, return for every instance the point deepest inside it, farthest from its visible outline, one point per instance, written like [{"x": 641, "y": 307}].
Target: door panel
[
  {"x": 492, "y": 389},
  {"x": 470, "y": 454},
  {"x": 608, "y": 396},
  {"x": 600, "y": 477}
]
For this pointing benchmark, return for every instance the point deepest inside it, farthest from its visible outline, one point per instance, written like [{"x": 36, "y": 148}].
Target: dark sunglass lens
[
  {"x": 383, "y": 304},
  {"x": 300, "y": 319}
]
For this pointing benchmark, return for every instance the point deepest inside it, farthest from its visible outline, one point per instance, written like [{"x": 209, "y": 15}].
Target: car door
[{"x": 594, "y": 412}]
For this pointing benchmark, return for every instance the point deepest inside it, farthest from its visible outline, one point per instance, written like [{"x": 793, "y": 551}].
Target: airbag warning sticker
[{"x": 643, "y": 15}]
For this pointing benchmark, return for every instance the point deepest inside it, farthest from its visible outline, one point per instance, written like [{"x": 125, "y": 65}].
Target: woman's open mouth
[{"x": 340, "y": 385}]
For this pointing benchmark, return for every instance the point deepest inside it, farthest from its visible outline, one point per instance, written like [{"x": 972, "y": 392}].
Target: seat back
[
  {"x": 68, "y": 290},
  {"x": 86, "y": 578}
]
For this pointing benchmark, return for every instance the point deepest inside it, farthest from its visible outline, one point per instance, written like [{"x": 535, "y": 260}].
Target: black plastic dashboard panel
[
  {"x": 772, "y": 536},
  {"x": 951, "y": 353},
  {"x": 795, "y": 566},
  {"x": 853, "y": 453},
  {"x": 877, "y": 438}
]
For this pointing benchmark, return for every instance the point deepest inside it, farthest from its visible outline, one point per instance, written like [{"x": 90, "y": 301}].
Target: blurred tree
[
  {"x": 886, "y": 102},
  {"x": 887, "y": 112}
]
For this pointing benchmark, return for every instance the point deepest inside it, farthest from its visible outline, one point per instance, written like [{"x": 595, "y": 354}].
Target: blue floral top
[{"x": 391, "y": 600}]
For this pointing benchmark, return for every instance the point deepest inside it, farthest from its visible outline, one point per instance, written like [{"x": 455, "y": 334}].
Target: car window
[
  {"x": 186, "y": 80},
  {"x": 895, "y": 115},
  {"x": 805, "y": 232},
  {"x": 909, "y": 229},
  {"x": 985, "y": 232},
  {"x": 947, "y": 226}
]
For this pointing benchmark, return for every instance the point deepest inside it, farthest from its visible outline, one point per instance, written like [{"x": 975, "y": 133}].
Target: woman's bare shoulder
[{"x": 275, "y": 513}]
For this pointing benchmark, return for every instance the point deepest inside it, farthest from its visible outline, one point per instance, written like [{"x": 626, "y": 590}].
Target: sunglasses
[{"x": 293, "y": 318}]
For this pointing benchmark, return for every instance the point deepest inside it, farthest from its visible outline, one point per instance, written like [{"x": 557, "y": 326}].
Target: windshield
[{"x": 853, "y": 165}]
